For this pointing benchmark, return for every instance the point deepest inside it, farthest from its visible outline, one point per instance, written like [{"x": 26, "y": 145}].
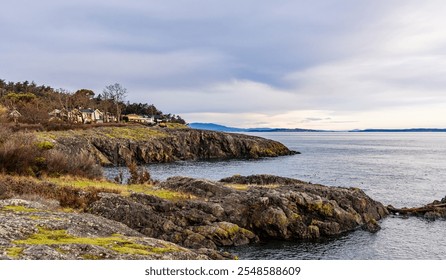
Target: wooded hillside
[{"x": 29, "y": 103}]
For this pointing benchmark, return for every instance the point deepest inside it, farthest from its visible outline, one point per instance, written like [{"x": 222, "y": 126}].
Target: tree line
[{"x": 35, "y": 102}]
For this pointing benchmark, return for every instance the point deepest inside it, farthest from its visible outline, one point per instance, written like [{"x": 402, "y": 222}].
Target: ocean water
[{"x": 402, "y": 169}]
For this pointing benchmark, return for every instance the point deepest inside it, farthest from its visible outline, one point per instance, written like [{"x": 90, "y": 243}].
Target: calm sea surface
[{"x": 402, "y": 169}]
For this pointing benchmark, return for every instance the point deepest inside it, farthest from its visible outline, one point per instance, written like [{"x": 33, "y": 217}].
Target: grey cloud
[
  {"x": 265, "y": 40},
  {"x": 262, "y": 57}
]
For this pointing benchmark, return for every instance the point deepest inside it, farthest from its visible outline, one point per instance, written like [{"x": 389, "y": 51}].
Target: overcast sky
[{"x": 321, "y": 64}]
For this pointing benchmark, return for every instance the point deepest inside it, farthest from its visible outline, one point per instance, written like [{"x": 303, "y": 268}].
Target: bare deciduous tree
[{"x": 116, "y": 93}]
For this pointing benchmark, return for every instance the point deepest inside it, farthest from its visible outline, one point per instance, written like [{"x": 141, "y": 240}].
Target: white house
[
  {"x": 78, "y": 115},
  {"x": 92, "y": 116},
  {"x": 15, "y": 115},
  {"x": 141, "y": 119}
]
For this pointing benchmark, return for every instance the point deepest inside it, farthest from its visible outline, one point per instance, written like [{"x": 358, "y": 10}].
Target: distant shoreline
[
  {"x": 218, "y": 127},
  {"x": 402, "y": 130}
]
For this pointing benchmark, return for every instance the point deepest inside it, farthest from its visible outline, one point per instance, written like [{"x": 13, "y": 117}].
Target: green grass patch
[
  {"x": 67, "y": 210},
  {"x": 133, "y": 133},
  {"x": 14, "y": 252},
  {"x": 91, "y": 257},
  {"x": 53, "y": 135},
  {"x": 61, "y": 251},
  {"x": 115, "y": 242},
  {"x": 83, "y": 183},
  {"x": 176, "y": 126},
  {"x": 35, "y": 218},
  {"x": 161, "y": 193},
  {"x": 123, "y": 189},
  {"x": 45, "y": 145},
  {"x": 19, "y": 208}
]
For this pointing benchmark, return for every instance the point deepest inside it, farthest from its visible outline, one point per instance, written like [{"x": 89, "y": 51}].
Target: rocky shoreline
[
  {"x": 431, "y": 211},
  {"x": 220, "y": 215},
  {"x": 179, "y": 218},
  {"x": 120, "y": 145},
  {"x": 234, "y": 211}
]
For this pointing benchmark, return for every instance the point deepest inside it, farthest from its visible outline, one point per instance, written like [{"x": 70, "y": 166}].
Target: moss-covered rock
[
  {"x": 60, "y": 235},
  {"x": 226, "y": 234}
]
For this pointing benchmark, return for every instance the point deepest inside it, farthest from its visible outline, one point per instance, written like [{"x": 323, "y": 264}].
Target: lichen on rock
[
  {"x": 224, "y": 216},
  {"x": 59, "y": 235},
  {"x": 209, "y": 216}
]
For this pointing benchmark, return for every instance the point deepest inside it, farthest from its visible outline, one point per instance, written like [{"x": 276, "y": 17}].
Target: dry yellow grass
[{"x": 125, "y": 190}]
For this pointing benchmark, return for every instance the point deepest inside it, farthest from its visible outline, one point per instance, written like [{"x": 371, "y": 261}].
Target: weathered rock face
[
  {"x": 283, "y": 208},
  {"x": 31, "y": 231},
  {"x": 116, "y": 145},
  {"x": 193, "y": 224}
]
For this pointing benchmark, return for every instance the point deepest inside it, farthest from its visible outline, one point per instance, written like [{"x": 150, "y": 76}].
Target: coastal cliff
[{"x": 119, "y": 145}]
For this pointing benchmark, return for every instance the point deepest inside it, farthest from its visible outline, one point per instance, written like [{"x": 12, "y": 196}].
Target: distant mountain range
[{"x": 218, "y": 127}]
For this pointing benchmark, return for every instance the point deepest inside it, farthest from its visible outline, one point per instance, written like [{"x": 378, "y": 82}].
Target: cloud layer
[{"x": 320, "y": 64}]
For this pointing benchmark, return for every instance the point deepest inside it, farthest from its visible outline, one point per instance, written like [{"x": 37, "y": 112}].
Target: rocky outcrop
[
  {"x": 33, "y": 231},
  {"x": 432, "y": 211},
  {"x": 118, "y": 145},
  {"x": 193, "y": 224},
  {"x": 241, "y": 211},
  {"x": 206, "y": 216}
]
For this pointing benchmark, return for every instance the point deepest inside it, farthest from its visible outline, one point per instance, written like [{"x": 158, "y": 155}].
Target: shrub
[
  {"x": 11, "y": 186},
  {"x": 22, "y": 154},
  {"x": 18, "y": 154},
  {"x": 82, "y": 165},
  {"x": 3, "y": 114},
  {"x": 138, "y": 175},
  {"x": 5, "y": 133}
]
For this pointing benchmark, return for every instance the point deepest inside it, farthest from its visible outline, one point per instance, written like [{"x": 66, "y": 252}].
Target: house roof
[
  {"x": 54, "y": 112},
  {"x": 86, "y": 110},
  {"x": 15, "y": 113}
]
